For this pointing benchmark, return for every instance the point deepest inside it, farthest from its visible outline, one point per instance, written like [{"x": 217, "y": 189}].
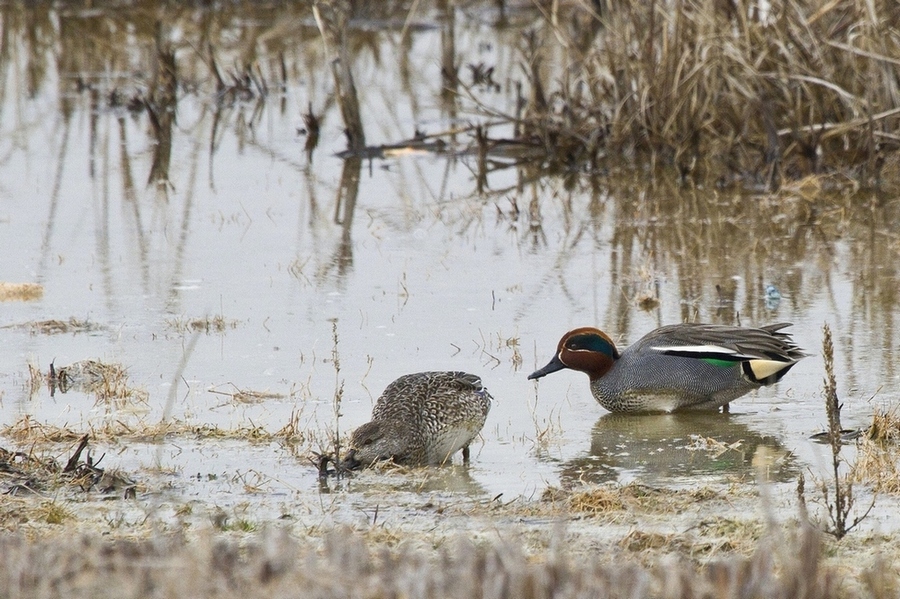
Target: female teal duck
[
  {"x": 422, "y": 418},
  {"x": 677, "y": 367}
]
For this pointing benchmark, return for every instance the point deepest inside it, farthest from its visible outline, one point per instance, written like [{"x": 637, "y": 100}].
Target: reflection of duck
[
  {"x": 422, "y": 418},
  {"x": 677, "y": 367},
  {"x": 662, "y": 447},
  {"x": 455, "y": 479}
]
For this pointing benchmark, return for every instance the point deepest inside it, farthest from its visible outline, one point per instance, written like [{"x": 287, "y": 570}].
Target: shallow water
[{"x": 402, "y": 256}]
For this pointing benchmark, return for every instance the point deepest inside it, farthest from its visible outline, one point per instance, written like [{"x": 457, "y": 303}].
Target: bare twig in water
[
  {"x": 73, "y": 461},
  {"x": 338, "y": 396},
  {"x": 839, "y": 508}
]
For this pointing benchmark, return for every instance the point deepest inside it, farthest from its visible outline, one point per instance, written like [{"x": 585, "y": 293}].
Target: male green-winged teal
[
  {"x": 677, "y": 367},
  {"x": 422, "y": 418}
]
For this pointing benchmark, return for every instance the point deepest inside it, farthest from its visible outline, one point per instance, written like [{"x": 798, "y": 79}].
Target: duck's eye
[
  {"x": 575, "y": 344},
  {"x": 591, "y": 343},
  {"x": 368, "y": 441}
]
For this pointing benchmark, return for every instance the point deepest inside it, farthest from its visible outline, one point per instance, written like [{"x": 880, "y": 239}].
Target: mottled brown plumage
[{"x": 422, "y": 418}]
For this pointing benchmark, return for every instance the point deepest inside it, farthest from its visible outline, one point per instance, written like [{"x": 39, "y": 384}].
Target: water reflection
[
  {"x": 344, "y": 207},
  {"x": 659, "y": 448},
  {"x": 419, "y": 256},
  {"x": 446, "y": 479},
  {"x": 161, "y": 111}
]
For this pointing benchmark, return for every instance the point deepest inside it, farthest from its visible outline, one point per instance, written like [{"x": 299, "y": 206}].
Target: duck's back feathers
[{"x": 423, "y": 418}]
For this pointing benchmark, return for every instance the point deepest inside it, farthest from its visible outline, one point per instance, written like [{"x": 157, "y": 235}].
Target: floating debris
[
  {"x": 847, "y": 435},
  {"x": 248, "y": 396},
  {"x": 20, "y": 292},
  {"x": 23, "y": 473},
  {"x": 57, "y": 327},
  {"x": 773, "y": 297},
  {"x": 216, "y": 324},
  {"x": 713, "y": 446},
  {"x": 107, "y": 381}
]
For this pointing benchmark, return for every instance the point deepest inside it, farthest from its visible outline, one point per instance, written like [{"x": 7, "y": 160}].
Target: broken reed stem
[{"x": 338, "y": 393}]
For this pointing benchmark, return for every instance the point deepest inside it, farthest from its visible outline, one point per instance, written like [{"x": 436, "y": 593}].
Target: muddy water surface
[{"x": 217, "y": 255}]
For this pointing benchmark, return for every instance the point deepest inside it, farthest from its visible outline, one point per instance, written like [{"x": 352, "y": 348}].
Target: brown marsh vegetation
[
  {"x": 731, "y": 92},
  {"x": 800, "y": 97},
  {"x": 728, "y": 93}
]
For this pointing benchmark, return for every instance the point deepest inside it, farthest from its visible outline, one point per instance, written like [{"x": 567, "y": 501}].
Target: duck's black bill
[
  {"x": 350, "y": 462},
  {"x": 554, "y": 365}
]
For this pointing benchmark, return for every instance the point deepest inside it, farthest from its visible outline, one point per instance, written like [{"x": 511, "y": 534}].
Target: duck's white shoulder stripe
[{"x": 697, "y": 349}]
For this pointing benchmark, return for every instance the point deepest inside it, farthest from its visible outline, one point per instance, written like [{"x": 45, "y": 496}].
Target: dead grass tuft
[
  {"x": 248, "y": 396},
  {"x": 293, "y": 433},
  {"x": 26, "y": 430},
  {"x": 215, "y": 324},
  {"x": 637, "y": 541},
  {"x": 31, "y": 473},
  {"x": 36, "y": 379},
  {"x": 108, "y": 382},
  {"x": 885, "y": 427},
  {"x": 733, "y": 530},
  {"x": 597, "y": 501},
  {"x": 878, "y": 465},
  {"x": 20, "y": 292},
  {"x": 878, "y": 452},
  {"x": 54, "y": 512},
  {"x": 57, "y": 327},
  {"x": 606, "y": 499}
]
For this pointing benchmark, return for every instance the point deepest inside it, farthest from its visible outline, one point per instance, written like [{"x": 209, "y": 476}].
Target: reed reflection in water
[{"x": 423, "y": 257}]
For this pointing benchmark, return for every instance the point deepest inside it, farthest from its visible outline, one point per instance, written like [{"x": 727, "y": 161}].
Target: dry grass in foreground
[{"x": 273, "y": 564}]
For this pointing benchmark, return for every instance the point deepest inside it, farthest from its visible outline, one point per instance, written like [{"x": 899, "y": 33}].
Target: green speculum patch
[{"x": 719, "y": 362}]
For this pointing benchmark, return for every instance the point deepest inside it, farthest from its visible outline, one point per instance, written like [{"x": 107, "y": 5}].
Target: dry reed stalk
[
  {"x": 840, "y": 507},
  {"x": 731, "y": 92},
  {"x": 338, "y": 394}
]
